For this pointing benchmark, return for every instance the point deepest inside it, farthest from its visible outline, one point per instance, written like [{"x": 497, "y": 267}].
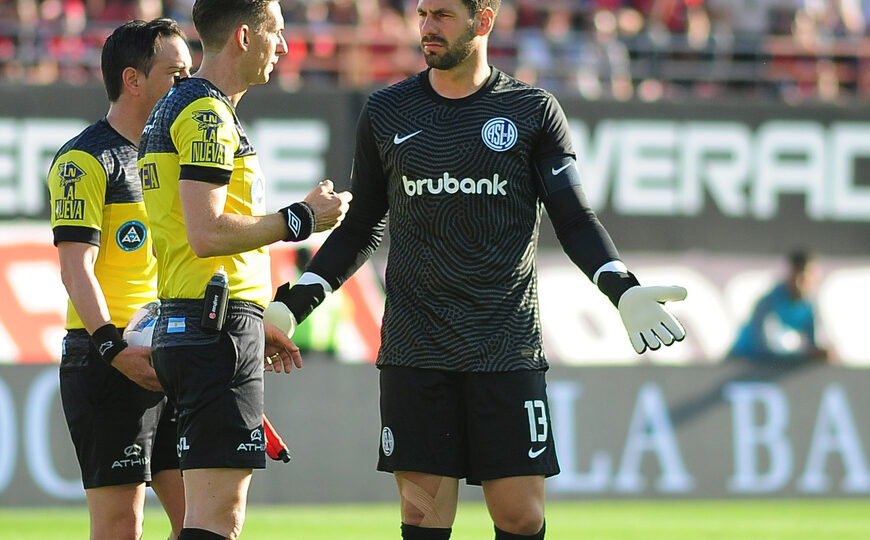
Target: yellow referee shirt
[
  {"x": 96, "y": 198},
  {"x": 193, "y": 133}
]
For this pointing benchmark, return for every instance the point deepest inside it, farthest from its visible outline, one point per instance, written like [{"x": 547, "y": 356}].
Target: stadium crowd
[{"x": 792, "y": 50}]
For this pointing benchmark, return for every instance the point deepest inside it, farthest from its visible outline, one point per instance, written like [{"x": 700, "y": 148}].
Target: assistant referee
[{"x": 122, "y": 428}]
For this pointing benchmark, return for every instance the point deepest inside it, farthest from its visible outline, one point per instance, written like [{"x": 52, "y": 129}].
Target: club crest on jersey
[
  {"x": 499, "y": 134},
  {"x": 131, "y": 235},
  {"x": 69, "y": 207},
  {"x": 208, "y": 150}
]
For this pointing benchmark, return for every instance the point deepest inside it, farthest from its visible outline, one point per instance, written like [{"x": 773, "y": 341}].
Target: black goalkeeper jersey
[{"x": 457, "y": 178}]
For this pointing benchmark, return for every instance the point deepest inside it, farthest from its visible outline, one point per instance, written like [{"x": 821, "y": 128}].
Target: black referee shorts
[
  {"x": 478, "y": 426},
  {"x": 215, "y": 380},
  {"x": 116, "y": 426}
]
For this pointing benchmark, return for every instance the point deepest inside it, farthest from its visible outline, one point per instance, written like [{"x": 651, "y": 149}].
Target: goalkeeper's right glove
[
  {"x": 647, "y": 321},
  {"x": 293, "y": 304}
]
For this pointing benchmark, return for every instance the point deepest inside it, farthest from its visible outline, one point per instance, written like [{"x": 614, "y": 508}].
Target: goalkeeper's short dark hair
[
  {"x": 476, "y": 5},
  {"x": 133, "y": 44}
]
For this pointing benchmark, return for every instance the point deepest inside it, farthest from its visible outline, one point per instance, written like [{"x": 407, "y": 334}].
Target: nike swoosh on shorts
[{"x": 535, "y": 453}]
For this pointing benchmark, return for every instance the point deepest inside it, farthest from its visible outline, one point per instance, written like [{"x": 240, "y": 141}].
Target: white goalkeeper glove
[
  {"x": 278, "y": 314},
  {"x": 646, "y": 319},
  {"x": 293, "y": 304}
]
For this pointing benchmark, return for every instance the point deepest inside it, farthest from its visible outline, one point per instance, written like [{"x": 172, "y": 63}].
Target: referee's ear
[{"x": 130, "y": 81}]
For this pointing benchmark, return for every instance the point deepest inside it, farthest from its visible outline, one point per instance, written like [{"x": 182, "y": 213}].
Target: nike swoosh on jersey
[
  {"x": 535, "y": 453},
  {"x": 400, "y": 140},
  {"x": 560, "y": 169}
]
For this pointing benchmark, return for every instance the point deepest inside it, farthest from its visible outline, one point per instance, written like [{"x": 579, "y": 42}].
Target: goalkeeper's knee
[{"x": 503, "y": 535}]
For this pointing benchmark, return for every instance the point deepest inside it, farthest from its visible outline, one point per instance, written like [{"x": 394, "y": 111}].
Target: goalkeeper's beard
[{"x": 455, "y": 54}]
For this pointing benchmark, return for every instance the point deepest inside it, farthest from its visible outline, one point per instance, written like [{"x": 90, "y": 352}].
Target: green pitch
[{"x": 588, "y": 520}]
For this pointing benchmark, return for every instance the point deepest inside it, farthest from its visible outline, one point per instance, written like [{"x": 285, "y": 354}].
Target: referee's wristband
[
  {"x": 300, "y": 221},
  {"x": 108, "y": 342}
]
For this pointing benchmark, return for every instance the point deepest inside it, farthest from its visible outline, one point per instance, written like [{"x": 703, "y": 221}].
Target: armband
[
  {"x": 108, "y": 342},
  {"x": 557, "y": 173},
  {"x": 300, "y": 221}
]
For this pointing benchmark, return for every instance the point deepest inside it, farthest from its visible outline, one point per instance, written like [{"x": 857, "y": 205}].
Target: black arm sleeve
[
  {"x": 581, "y": 235},
  {"x": 361, "y": 232}
]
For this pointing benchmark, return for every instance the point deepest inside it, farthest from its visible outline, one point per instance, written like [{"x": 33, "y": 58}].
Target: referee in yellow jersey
[
  {"x": 121, "y": 426},
  {"x": 204, "y": 193}
]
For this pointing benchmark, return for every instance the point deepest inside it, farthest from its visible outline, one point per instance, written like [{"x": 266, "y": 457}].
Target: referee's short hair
[
  {"x": 216, "y": 19},
  {"x": 133, "y": 44}
]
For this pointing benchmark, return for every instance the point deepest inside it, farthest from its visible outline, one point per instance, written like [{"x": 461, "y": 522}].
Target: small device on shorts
[{"x": 214, "y": 305}]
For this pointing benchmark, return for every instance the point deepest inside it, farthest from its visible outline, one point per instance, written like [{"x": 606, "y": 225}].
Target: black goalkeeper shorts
[{"x": 479, "y": 426}]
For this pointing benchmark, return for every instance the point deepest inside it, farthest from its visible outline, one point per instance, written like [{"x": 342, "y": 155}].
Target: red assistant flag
[{"x": 275, "y": 447}]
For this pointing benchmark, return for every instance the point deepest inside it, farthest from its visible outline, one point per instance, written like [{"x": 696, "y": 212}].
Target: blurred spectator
[
  {"x": 502, "y": 40},
  {"x": 783, "y": 325},
  {"x": 817, "y": 24},
  {"x": 603, "y": 49},
  {"x": 182, "y": 10},
  {"x": 604, "y": 65},
  {"x": 544, "y": 51}
]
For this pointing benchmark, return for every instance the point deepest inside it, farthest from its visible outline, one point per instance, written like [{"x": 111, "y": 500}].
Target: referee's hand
[
  {"x": 135, "y": 363},
  {"x": 329, "y": 207},
  {"x": 281, "y": 353}
]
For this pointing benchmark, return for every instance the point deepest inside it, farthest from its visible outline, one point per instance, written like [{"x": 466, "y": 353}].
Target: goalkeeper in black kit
[{"x": 462, "y": 158}]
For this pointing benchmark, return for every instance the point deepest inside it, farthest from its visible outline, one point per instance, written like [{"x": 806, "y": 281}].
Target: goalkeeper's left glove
[
  {"x": 293, "y": 304},
  {"x": 646, "y": 319}
]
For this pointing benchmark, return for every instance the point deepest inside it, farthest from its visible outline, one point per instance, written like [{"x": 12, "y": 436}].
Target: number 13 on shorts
[{"x": 538, "y": 427}]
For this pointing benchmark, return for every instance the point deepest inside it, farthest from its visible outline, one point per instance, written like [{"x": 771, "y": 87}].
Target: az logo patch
[{"x": 131, "y": 235}]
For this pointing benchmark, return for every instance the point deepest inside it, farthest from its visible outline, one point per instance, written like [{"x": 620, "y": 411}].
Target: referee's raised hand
[{"x": 329, "y": 207}]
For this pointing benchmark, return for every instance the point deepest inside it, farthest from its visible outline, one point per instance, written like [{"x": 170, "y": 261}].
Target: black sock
[
  {"x": 412, "y": 532},
  {"x": 501, "y": 535},
  {"x": 199, "y": 534}
]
